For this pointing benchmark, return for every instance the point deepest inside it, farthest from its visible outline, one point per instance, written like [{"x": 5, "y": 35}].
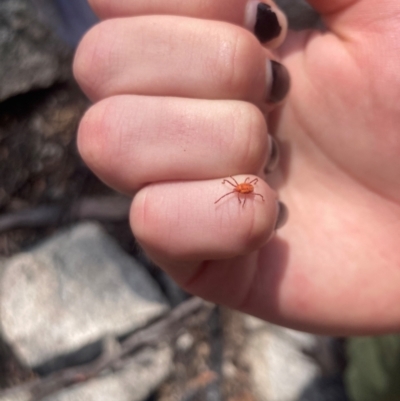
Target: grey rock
[
  {"x": 16, "y": 395},
  {"x": 135, "y": 382},
  {"x": 300, "y": 14},
  {"x": 279, "y": 370},
  {"x": 37, "y": 127},
  {"x": 70, "y": 292},
  {"x": 31, "y": 55}
]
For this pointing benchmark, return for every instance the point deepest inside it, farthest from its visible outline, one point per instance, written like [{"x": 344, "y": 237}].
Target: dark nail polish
[
  {"x": 273, "y": 157},
  {"x": 267, "y": 25},
  {"x": 283, "y": 215},
  {"x": 280, "y": 82}
]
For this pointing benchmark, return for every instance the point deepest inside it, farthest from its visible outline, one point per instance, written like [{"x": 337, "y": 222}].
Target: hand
[{"x": 181, "y": 88}]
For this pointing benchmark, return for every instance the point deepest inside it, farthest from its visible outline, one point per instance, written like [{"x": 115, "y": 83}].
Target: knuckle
[
  {"x": 221, "y": 62},
  {"x": 251, "y": 137},
  {"x": 236, "y": 61}
]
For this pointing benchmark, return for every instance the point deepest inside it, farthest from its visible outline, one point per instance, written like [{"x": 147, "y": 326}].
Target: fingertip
[
  {"x": 88, "y": 140},
  {"x": 138, "y": 215},
  {"x": 179, "y": 221},
  {"x": 86, "y": 61}
]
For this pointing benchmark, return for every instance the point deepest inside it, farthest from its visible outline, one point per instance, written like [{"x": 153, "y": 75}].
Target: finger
[
  {"x": 128, "y": 145},
  {"x": 230, "y": 64},
  {"x": 179, "y": 225},
  {"x": 264, "y": 19}
]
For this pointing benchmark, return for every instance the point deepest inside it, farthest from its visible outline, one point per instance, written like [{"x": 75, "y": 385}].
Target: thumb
[{"x": 341, "y": 16}]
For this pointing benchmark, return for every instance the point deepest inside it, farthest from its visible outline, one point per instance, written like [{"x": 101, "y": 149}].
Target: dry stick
[
  {"x": 105, "y": 208},
  {"x": 36, "y": 217},
  {"x": 161, "y": 330}
]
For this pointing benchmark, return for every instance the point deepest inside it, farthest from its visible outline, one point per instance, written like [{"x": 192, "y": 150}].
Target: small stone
[
  {"x": 71, "y": 291},
  {"x": 185, "y": 341},
  {"x": 278, "y": 368},
  {"x": 229, "y": 370}
]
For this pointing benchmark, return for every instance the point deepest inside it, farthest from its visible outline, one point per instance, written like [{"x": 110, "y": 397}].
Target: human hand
[{"x": 180, "y": 103}]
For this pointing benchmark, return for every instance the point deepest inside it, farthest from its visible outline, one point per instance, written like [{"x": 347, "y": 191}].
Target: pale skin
[{"x": 179, "y": 90}]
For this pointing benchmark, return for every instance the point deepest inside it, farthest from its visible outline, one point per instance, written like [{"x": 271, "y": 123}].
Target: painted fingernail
[
  {"x": 279, "y": 82},
  {"x": 273, "y": 155},
  {"x": 267, "y": 25},
  {"x": 283, "y": 214}
]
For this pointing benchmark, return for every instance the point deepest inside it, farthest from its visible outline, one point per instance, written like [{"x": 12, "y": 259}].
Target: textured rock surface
[
  {"x": 37, "y": 144},
  {"x": 134, "y": 382},
  {"x": 31, "y": 55},
  {"x": 71, "y": 291},
  {"x": 278, "y": 368}
]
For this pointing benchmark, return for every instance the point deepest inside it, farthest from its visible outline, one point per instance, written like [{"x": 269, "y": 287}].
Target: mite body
[{"x": 244, "y": 188}]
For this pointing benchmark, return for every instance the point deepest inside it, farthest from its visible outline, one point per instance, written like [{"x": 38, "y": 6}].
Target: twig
[
  {"x": 162, "y": 330},
  {"x": 105, "y": 208},
  {"x": 35, "y": 217}
]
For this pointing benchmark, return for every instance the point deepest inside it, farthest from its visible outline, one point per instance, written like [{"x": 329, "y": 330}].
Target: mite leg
[
  {"x": 234, "y": 181},
  {"x": 223, "y": 196},
  {"x": 224, "y": 181},
  {"x": 255, "y": 194}
]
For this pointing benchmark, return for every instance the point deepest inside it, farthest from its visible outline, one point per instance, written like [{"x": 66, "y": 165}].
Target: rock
[
  {"x": 39, "y": 110},
  {"x": 31, "y": 55},
  {"x": 279, "y": 370},
  {"x": 16, "y": 395},
  {"x": 40, "y": 107},
  {"x": 61, "y": 298},
  {"x": 300, "y": 14},
  {"x": 135, "y": 382}
]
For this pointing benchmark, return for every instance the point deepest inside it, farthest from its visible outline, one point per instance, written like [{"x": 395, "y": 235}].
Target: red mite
[{"x": 244, "y": 188}]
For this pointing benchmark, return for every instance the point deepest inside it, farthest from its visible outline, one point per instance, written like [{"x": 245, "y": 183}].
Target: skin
[{"x": 180, "y": 105}]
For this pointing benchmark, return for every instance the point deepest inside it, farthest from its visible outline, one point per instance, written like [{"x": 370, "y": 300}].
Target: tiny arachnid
[{"x": 244, "y": 188}]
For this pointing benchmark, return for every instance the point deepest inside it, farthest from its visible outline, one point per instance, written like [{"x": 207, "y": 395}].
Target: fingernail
[
  {"x": 283, "y": 214},
  {"x": 267, "y": 25},
  {"x": 279, "y": 78},
  {"x": 273, "y": 159}
]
